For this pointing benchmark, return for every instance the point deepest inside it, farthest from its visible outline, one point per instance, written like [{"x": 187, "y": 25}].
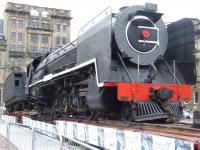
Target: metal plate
[
  {"x": 181, "y": 46},
  {"x": 94, "y": 42}
]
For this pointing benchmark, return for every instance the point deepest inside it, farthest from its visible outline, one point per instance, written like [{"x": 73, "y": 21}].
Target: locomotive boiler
[{"x": 118, "y": 67}]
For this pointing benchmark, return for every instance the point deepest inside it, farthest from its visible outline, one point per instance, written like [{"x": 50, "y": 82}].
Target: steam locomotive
[{"x": 120, "y": 66}]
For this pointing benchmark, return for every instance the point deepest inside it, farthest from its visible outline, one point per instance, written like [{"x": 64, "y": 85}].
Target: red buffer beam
[{"x": 142, "y": 91}]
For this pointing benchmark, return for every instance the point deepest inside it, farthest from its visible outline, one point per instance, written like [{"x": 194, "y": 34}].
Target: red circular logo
[{"x": 146, "y": 33}]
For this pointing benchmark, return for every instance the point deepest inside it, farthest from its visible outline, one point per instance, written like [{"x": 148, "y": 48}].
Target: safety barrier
[
  {"x": 9, "y": 119},
  {"x": 73, "y": 135},
  {"x": 111, "y": 138},
  {"x": 35, "y": 135},
  {"x": 18, "y": 137}
]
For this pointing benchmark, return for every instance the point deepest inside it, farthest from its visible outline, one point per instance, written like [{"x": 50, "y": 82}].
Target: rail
[{"x": 174, "y": 129}]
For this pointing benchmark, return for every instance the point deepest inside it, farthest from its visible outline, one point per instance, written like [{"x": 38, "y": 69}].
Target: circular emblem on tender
[{"x": 142, "y": 34}]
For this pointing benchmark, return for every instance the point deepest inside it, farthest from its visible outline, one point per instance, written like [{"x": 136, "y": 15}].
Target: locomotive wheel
[
  {"x": 89, "y": 114},
  {"x": 127, "y": 111}
]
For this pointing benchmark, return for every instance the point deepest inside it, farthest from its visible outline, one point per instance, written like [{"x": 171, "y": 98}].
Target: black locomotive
[{"x": 118, "y": 67}]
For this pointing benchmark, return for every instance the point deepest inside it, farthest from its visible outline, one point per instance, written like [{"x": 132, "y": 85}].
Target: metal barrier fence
[
  {"x": 68, "y": 135},
  {"x": 15, "y": 136},
  {"x": 74, "y": 144}
]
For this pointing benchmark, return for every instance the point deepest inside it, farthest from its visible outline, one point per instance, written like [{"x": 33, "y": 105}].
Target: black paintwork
[
  {"x": 181, "y": 46},
  {"x": 14, "y": 88},
  {"x": 77, "y": 91}
]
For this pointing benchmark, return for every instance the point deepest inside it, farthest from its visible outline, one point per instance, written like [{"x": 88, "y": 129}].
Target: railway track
[
  {"x": 179, "y": 129},
  {"x": 176, "y": 130}
]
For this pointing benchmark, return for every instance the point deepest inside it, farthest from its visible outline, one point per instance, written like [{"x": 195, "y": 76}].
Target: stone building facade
[
  {"x": 31, "y": 31},
  {"x": 196, "y": 88},
  {"x": 2, "y": 65}
]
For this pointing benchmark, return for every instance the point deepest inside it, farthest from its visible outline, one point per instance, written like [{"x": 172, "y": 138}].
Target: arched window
[
  {"x": 34, "y": 13},
  {"x": 45, "y": 14}
]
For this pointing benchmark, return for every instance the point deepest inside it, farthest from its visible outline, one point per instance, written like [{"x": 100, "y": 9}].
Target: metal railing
[
  {"x": 14, "y": 136},
  {"x": 73, "y": 144}
]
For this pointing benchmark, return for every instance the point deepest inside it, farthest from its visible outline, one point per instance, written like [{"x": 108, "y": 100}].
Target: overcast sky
[{"x": 84, "y": 10}]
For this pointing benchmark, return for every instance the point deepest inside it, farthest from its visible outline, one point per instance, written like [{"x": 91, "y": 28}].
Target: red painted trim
[
  {"x": 197, "y": 146},
  {"x": 140, "y": 91},
  {"x": 17, "y": 114}
]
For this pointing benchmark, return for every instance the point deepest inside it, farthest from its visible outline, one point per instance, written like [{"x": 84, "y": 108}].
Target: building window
[
  {"x": 34, "y": 38},
  {"x": 20, "y": 24},
  {"x": 14, "y": 23},
  {"x": 33, "y": 49},
  {"x": 34, "y": 24},
  {"x": 45, "y": 14},
  {"x": 64, "y": 40},
  {"x": 64, "y": 28},
  {"x": 45, "y": 38},
  {"x": 20, "y": 37},
  {"x": 0, "y": 98},
  {"x": 196, "y": 97},
  {"x": 31, "y": 24},
  {"x": 13, "y": 36},
  {"x": 34, "y": 12},
  {"x": 196, "y": 45},
  {"x": 57, "y": 40},
  {"x": 20, "y": 48},
  {"x": 12, "y": 60},
  {"x": 1, "y": 61},
  {"x": 58, "y": 28},
  {"x": 44, "y": 50},
  {"x": 45, "y": 26},
  {"x": 16, "y": 61},
  {"x": 12, "y": 47},
  {"x": 19, "y": 61},
  {"x": 16, "y": 82}
]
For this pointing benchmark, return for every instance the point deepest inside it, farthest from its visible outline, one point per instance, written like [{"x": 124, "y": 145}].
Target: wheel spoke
[{"x": 127, "y": 111}]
